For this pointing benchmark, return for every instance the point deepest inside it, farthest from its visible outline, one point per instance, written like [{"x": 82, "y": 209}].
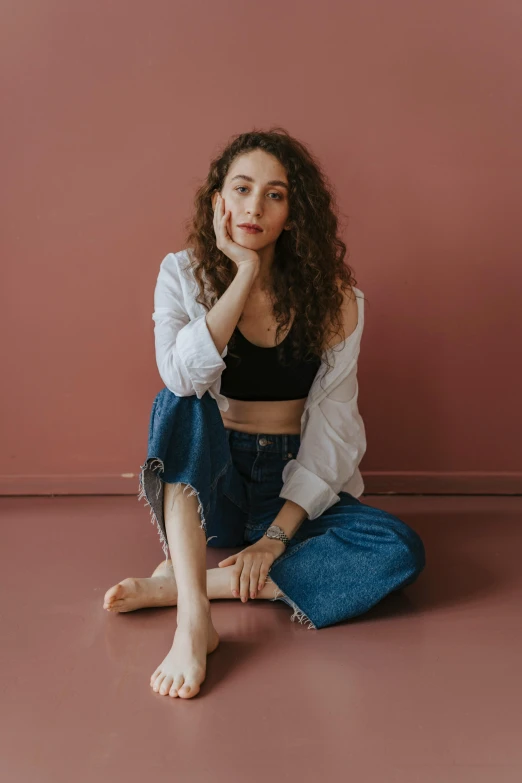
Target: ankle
[{"x": 190, "y": 605}]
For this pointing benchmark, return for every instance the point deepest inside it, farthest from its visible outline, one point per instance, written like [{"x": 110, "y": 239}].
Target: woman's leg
[
  {"x": 184, "y": 668},
  {"x": 345, "y": 561},
  {"x": 226, "y": 529},
  {"x": 187, "y": 544},
  {"x": 161, "y": 589}
]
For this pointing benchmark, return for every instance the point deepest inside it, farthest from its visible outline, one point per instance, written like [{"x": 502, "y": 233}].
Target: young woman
[{"x": 258, "y": 326}]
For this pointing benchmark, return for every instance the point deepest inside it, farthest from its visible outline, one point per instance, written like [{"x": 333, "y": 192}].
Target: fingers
[
  {"x": 217, "y": 215},
  {"x": 234, "y": 577},
  {"x": 224, "y": 220},
  {"x": 263, "y": 573},
  {"x": 240, "y": 580},
  {"x": 248, "y": 576},
  {"x": 220, "y": 218},
  {"x": 245, "y": 581},
  {"x": 254, "y": 579}
]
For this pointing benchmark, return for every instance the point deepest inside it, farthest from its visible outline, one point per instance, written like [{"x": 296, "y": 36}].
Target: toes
[
  {"x": 188, "y": 691},
  {"x": 114, "y": 593},
  {"x": 115, "y": 604},
  {"x": 159, "y": 680},
  {"x": 173, "y": 686},
  {"x": 114, "y": 596},
  {"x": 177, "y": 683},
  {"x": 165, "y": 685}
]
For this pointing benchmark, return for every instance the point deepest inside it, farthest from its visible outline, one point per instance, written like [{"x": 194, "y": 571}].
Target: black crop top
[{"x": 257, "y": 374}]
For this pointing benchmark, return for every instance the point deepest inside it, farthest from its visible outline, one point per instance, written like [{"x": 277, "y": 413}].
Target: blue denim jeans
[{"x": 335, "y": 567}]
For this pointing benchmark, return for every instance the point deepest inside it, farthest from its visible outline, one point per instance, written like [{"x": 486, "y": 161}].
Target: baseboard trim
[
  {"x": 375, "y": 483},
  {"x": 432, "y": 483}
]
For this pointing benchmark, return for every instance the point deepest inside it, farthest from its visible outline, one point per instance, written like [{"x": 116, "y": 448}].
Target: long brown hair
[{"x": 308, "y": 272}]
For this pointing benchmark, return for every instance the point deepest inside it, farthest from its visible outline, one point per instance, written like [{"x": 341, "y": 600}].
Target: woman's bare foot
[
  {"x": 184, "y": 668},
  {"x": 160, "y": 589}
]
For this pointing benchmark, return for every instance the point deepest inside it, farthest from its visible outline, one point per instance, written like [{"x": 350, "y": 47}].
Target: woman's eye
[{"x": 273, "y": 193}]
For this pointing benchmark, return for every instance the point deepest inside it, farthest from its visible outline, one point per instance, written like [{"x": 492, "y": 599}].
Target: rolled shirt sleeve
[
  {"x": 199, "y": 355},
  {"x": 307, "y": 489},
  {"x": 186, "y": 355}
]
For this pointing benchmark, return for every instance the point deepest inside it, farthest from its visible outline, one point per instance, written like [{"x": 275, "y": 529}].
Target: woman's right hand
[{"x": 241, "y": 256}]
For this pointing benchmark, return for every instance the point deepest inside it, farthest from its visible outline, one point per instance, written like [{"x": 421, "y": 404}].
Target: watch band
[{"x": 277, "y": 532}]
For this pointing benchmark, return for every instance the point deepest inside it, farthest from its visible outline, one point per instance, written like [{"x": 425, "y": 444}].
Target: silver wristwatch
[{"x": 274, "y": 531}]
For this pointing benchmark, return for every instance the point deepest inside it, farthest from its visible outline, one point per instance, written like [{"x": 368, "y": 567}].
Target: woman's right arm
[
  {"x": 189, "y": 353},
  {"x": 223, "y": 317}
]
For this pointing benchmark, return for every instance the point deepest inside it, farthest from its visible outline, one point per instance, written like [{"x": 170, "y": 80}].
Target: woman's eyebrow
[{"x": 270, "y": 182}]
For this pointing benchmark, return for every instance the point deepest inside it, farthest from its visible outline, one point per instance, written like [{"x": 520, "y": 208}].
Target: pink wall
[{"x": 111, "y": 115}]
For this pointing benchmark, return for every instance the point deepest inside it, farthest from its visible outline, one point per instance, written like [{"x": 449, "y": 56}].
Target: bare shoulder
[
  {"x": 350, "y": 312},
  {"x": 349, "y": 316}
]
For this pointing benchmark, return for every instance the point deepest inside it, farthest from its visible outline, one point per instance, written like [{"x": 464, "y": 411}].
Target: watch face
[{"x": 272, "y": 531}]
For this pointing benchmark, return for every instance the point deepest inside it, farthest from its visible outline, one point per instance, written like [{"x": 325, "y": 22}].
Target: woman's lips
[{"x": 250, "y": 230}]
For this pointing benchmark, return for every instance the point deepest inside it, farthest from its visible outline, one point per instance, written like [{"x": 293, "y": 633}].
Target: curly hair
[{"x": 308, "y": 272}]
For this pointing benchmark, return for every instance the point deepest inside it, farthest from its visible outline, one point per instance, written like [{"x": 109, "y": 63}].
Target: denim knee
[
  {"x": 416, "y": 552},
  {"x": 187, "y": 444}
]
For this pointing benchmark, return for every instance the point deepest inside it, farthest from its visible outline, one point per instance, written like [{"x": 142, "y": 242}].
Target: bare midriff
[{"x": 271, "y": 417}]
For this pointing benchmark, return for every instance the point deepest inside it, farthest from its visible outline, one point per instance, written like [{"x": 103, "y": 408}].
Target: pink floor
[{"x": 424, "y": 688}]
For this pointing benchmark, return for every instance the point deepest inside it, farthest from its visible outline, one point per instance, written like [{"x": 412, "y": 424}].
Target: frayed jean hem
[
  {"x": 298, "y": 614},
  {"x": 149, "y": 479}
]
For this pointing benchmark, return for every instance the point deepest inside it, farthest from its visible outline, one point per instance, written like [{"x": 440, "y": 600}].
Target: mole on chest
[{"x": 260, "y": 332}]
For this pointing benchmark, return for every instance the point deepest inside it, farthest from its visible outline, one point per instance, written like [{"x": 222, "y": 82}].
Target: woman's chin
[{"x": 248, "y": 241}]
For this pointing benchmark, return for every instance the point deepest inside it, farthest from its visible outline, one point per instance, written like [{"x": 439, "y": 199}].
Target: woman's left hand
[{"x": 252, "y": 565}]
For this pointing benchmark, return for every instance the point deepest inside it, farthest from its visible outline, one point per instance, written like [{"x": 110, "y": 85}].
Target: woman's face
[{"x": 254, "y": 191}]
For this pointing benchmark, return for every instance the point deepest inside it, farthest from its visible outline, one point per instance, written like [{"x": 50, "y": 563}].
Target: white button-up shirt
[{"x": 333, "y": 438}]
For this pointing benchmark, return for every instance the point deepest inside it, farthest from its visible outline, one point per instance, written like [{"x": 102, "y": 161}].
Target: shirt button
[
  {"x": 289, "y": 455},
  {"x": 263, "y": 441}
]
